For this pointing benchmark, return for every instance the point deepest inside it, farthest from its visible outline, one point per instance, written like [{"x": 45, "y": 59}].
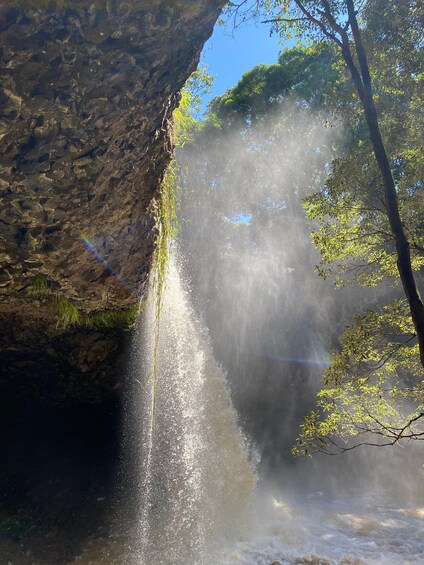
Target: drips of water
[{"x": 196, "y": 480}]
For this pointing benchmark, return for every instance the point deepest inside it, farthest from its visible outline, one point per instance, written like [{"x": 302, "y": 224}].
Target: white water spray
[
  {"x": 188, "y": 460},
  {"x": 196, "y": 481}
]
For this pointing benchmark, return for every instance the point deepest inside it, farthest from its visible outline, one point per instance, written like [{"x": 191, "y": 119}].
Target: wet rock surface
[
  {"x": 86, "y": 93},
  {"x": 87, "y": 90}
]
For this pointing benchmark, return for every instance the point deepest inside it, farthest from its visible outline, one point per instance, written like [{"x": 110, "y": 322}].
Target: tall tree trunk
[
  {"x": 363, "y": 84},
  {"x": 325, "y": 20}
]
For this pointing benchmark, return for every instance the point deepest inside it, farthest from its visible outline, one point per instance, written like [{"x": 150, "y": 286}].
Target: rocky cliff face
[
  {"x": 87, "y": 89},
  {"x": 86, "y": 93}
]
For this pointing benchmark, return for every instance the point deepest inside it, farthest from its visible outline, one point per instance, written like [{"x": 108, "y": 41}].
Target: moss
[
  {"x": 40, "y": 286},
  {"x": 68, "y": 314},
  {"x": 119, "y": 319},
  {"x": 167, "y": 225},
  {"x": 183, "y": 126}
]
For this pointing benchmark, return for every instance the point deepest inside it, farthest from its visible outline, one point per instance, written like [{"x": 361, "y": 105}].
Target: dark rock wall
[
  {"x": 87, "y": 89},
  {"x": 86, "y": 93}
]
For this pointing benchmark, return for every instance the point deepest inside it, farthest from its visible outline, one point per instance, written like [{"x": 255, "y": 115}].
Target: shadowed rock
[{"x": 87, "y": 90}]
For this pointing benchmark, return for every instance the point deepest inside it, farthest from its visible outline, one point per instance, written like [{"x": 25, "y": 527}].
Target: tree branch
[
  {"x": 327, "y": 12},
  {"x": 363, "y": 64},
  {"x": 315, "y": 21},
  {"x": 287, "y": 20},
  {"x": 395, "y": 435}
]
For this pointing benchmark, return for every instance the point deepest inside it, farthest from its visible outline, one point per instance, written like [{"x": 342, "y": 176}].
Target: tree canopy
[{"x": 339, "y": 21}]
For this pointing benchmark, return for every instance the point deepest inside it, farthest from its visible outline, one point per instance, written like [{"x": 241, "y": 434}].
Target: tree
[
  {"x": 303, "y": 74},
  {"x": 374, "y": 389},
  {"x": 374, "y": 394},
  {"x": 337, "y": 20}
]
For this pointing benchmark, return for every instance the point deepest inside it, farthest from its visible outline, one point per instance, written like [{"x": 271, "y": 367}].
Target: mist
[
  {"x": 273, "y": 321},
  {"x": 227, "y": 360}
]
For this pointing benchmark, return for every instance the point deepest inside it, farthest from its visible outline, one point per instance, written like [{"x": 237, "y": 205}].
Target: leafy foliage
[
  {"x": 184, "y": 124},
  {"x": 40, "y": 286},
  {"x": 119, "y": 319},
  {"x": 354, "y": 234},
  {"x": 374, "y": 388},
  {"x": 303, "y": 74},
  {"x": 68, "y": 315},
  {"x": 374, "y": 385}
]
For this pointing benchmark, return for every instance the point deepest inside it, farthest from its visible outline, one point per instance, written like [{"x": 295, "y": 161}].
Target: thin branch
[
  {"x": 314, "y": 20},
  {"x": 418, "y": 247},
  {"x": 288, "y": 20},
  {"x": 383, "y": 360},
  {"x": 396, "y": 435},
  {"x": 327, "y": 12}
]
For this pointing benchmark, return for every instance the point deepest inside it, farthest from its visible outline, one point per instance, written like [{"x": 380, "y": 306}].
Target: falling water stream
[
  {"x": 196, "y": 481},
  {"x": 197, "y": 504}
]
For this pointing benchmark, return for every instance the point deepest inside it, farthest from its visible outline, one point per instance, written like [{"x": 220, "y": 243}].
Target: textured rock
[
  {"x": 86, "y": 93},
  {"x": 51, "y": 366}
]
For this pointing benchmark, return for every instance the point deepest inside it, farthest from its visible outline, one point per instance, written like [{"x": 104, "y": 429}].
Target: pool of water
[
  {"x": 337, "y": 532},
  {"x": 312, "y": 530}
]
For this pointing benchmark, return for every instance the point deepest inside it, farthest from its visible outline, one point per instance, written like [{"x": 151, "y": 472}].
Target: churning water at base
[
  {"x": 303, "y": 530},
  {"x": 318, "y": 530},
  {"x": 194, "y": 483},
  {"x": 195, "y": 478}
]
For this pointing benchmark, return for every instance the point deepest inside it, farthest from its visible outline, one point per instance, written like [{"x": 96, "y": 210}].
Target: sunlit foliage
[
  {"x": 373, "y": 388},
  {"x": 374, "y": 392}
]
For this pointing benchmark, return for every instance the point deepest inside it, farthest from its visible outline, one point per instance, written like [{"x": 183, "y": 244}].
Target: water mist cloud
[{"x": 252, "y": 264}]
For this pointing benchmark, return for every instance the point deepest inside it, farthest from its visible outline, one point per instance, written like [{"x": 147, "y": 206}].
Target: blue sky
[{"x": 230, "y": 53}]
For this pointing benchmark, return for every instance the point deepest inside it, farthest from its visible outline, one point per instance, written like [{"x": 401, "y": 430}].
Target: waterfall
[{"x": 194, "y": 477}]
